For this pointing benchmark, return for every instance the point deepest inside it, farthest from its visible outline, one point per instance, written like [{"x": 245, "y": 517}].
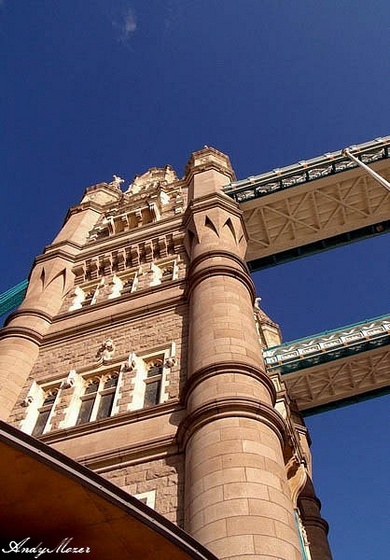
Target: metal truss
[
  {"x": 328, "y": 385},
  {"x": 328, "y": 346},
  {"x": 331, "y": 208},
  {"x": 332, "y": 163}
]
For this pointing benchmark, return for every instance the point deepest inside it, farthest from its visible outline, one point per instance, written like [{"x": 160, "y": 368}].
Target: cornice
[
  {"x": 140, "y": 311},
  {"x": 30, "y": 311},
  {"x": 57, "y": 251},
  {"x": 61, "y": 244},
  {"x": 118, "y": 420},
  {"x": 86, "y": 205},
  {"x": 161, "y": 227},
  {"x": 216, "y": 199},
  {"x": 226, "y": 367},
  {"x": 218, "y": 253},
  {"x": 151, "y": 450},
  {"x": 228, "y": 407},
  {"x": 108, "y": 187},
  {"x": 207, "y": 166},
  {"x": 21, "y": 332},
  {"x": 313, "y": 521}
]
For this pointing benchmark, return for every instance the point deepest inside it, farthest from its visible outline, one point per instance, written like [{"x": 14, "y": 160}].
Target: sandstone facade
[{"x": 137, "y": 352}]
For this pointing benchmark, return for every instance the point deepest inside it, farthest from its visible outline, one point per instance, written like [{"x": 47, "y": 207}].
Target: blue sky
[{"x": 96, "y": 87}]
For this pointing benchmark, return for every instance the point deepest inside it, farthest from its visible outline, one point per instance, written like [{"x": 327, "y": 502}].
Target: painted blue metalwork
[
  {"x": 329, "y": 345},
  {"x": 307, "y": 171},
  {"x": 301, "y": 541},
  {"x": 12, "y": 297},
  {"x": 316, "y": 247}
]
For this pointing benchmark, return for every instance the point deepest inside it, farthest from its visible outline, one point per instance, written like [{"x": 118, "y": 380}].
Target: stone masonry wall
[
  {"x": 165, "y": 476},
  {"x": 142, "y": 335}
]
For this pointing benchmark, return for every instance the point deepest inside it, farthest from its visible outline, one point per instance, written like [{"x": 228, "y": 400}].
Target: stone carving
[
  {"x": 116, "y": 286},
  {"x": 217, "y": 226},
  {"x": 155, "y": 274},
  {"x": 156, "y": 177},
  {"x": 102, "y": 229},
  {"x": 164, "y": 198},
  {"x": 70, "y": 380},
  {"x": 130, "y": 363},
  {"x": 78, "y": 298},
  {"x": 27, "y": 401},
  {"x": 98, "y": 232},
  {"x": 116, "y": 182},
  {"x": 32, "y": 394},
  {"x": 296, "y": 476},
  {"x": 170, "y": 362},
  {"x": 106, "y": 351}
]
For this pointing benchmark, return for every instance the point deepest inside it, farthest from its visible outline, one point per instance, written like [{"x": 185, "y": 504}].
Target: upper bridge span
[{"x": 314, "y": 205}]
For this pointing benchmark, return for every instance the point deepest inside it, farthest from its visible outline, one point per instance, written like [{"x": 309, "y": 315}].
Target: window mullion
[{"x": 96, "y": 403}]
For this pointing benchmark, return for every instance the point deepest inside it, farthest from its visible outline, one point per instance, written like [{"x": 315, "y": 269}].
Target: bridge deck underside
[
  {"x": 330, "y": 383},
  {"x": 311, "y": 213}
]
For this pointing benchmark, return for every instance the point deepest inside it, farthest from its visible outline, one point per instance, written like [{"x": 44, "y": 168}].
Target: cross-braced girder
[
  {"x": 314, "y": 205},
  {"x": 316, "y": 211},
  {"x": 351, "y": 377}
]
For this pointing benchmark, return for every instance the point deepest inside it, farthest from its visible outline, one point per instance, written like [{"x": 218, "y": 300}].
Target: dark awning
[{"x": 47, "y": 497}]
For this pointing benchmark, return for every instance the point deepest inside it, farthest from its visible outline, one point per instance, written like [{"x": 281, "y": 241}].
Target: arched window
[
  {"x": 98, "y": 399},
  {"x": 153, "y": 383},
  {"x": 44, "y": 412}
]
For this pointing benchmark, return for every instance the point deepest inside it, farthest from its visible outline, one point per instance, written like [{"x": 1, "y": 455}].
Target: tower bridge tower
[{"x": 137, "y": 352}]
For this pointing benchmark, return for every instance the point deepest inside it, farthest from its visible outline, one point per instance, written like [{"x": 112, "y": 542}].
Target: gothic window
[
  {"x": 88, "y": 297},
  {"x": 44, "y": 412},
  {"x": 98, "y": 399},
  {"x": 167, "y": 273},
  {"x": 153, "y": 383},
  {"x": 127, "y": 285}
]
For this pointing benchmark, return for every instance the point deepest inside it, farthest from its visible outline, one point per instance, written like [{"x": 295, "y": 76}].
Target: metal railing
[
  {"x": 306, "y": 171},
  {"x": 328, "y": 346}
]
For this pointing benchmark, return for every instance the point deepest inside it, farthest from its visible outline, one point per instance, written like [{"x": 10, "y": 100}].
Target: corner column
[
  {"x": 50, "y": 279},
  {"x": 237, "y": 500},
  {"x": 315, "y": 525},
  {"x": 308, "y": 504}
]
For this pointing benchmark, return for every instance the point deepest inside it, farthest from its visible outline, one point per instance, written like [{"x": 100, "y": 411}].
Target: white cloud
[
  {"x": 130, "y": 23},
  {"x": 126, "y": 25}
]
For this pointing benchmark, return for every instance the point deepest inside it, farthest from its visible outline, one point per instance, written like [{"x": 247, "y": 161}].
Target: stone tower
[{"x": 138, "y": 352}]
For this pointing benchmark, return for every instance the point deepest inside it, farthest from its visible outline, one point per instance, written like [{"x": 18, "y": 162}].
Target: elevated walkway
[
  {"x": 335, "y": 367},
  {"x": 314, "y": 205}
]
